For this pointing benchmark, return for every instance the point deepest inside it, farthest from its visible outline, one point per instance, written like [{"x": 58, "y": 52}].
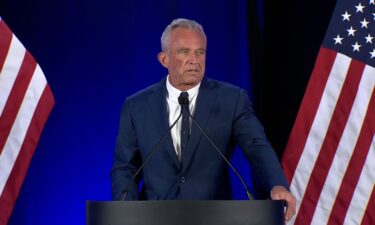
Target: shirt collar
[{"x": 174, "y": 93}]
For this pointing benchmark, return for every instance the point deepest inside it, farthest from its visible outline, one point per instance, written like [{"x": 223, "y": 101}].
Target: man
[{"x": 186, "y": 165}]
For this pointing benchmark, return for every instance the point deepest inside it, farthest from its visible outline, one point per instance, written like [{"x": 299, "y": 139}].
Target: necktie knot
[{"x": 183, "y": 99}]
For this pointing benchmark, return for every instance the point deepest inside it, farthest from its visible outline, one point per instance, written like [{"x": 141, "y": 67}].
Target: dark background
[{"x": 95, "y": 53}]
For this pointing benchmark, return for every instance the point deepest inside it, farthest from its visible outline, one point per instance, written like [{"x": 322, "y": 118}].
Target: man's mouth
[{"x": 193, "y": 70}]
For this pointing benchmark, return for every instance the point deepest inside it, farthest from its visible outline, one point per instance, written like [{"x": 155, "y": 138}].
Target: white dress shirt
[{"x": 174, "y": 110}]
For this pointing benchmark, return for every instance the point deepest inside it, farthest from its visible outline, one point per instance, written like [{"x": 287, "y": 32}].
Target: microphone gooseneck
[
  {"x": 184, "y": 100},
  {"x": 249, "y": 195},
  {"x": 124, "y": 193}
]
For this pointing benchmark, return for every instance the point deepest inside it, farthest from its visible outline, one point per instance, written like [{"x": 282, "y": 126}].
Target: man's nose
[{"x": 193, "y": 58}]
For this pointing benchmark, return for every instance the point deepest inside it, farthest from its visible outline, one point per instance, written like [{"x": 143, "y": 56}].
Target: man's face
[{"x": 185, "y": 58}]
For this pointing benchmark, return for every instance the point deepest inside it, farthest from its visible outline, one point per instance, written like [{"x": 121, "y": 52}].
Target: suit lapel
[
  {"x": 158, "y": 105},
  {"x": 204, "y": 102}
]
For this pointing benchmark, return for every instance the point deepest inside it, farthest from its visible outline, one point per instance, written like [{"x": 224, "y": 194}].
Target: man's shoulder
[
  {"x": 146, "y": 92},
  {"x": 222, "y": 85}
]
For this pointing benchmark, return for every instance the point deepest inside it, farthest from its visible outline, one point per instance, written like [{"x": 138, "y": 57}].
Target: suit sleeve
[
  {"x": 126, "y": 157},
  {"x": 250, "y": 136}
]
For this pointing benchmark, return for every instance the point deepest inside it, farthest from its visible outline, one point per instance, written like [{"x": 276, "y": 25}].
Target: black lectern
[{"x": 216, "y": 212}]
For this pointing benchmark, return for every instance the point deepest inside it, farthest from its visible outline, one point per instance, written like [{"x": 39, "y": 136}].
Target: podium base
[{"x": 256, "y": 212}]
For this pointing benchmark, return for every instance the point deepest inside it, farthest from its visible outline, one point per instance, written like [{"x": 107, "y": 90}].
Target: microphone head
[{"x": 183, "y": 99}]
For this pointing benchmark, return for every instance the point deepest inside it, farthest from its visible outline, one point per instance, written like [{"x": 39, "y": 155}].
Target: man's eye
[
  {"x": 184, "y": 51},
  {"x": 201, "y": 52}
]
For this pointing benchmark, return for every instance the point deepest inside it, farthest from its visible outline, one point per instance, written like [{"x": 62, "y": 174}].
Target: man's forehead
[
  {"x": 181, "y": 44},
  {"x": 181, "y": 32}
]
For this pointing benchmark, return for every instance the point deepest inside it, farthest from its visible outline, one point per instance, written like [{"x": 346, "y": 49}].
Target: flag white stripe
[
  {"x": 320, "y": 126},
  {"x": 17, "y": 134},
  {"x": 363, "y": 189},
  {"x": 345, "y": 148},
  {"x": 12, "y": 65}
]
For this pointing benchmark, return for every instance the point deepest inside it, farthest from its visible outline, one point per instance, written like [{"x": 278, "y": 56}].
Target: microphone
[
  {"x": 184, "y": 100},
  {"x": 124, "y": 193}
]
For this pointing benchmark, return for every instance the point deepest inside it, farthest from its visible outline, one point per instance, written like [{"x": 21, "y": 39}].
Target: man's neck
[
  {"x": 177, "y": 90},
  {"x": 182, "y": 87}
]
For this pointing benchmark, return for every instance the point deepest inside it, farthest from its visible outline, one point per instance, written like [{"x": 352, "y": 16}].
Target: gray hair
[{"x": 180, "y": 22}]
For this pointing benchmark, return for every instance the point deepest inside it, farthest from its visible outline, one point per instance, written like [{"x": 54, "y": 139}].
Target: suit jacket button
[{"x": 183, "y": 179}]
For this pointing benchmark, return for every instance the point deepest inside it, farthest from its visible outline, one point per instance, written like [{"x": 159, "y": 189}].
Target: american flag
[
  {"x": 330, "y": 155},
  {"x": 25, "y": 104}
]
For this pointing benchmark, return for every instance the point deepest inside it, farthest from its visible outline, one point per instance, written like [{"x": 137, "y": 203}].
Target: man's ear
[{"x": 163, "y": 59}]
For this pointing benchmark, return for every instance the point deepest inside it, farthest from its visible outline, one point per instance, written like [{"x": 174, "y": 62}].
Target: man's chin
[{"x": 194, "y": 79}]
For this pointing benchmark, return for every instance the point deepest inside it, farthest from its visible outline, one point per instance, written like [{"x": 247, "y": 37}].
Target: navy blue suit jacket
[{"x": 225, "y": 113}]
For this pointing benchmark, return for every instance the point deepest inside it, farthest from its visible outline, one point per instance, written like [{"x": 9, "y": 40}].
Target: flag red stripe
[
  {"x": 15, "y": 180},
  {"x": 355, "y": 166},
  {"x": 369, "y": 217},
  {"x": 306, "y": 114},
  {"x": 16, "y": 97},
  {"x": 331, "y": 141},
  {"x": 5, "y": 40}
]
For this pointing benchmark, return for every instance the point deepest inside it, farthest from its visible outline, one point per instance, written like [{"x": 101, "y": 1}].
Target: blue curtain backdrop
[{"x": 94, "y": 54}]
